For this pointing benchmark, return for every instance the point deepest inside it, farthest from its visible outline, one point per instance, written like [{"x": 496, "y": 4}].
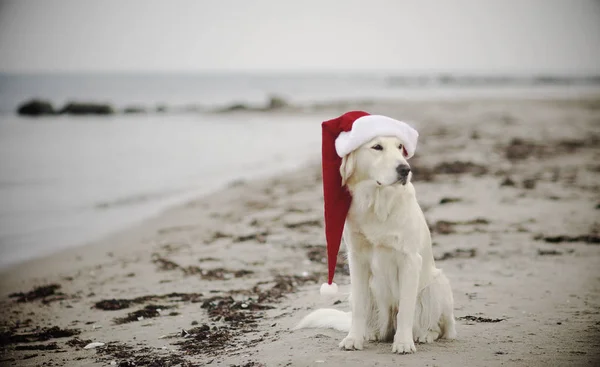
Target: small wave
[{"x": 135, "y": 199}]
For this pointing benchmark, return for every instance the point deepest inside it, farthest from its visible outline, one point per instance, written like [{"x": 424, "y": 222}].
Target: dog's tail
[{"x": 326, "y": 318}]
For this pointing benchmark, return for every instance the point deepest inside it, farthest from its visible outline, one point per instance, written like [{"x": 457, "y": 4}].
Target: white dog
[{"x": 397, "y": 293}]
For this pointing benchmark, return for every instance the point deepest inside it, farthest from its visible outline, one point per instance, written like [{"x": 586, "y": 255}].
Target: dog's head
[{"x": 381, "y": 160}]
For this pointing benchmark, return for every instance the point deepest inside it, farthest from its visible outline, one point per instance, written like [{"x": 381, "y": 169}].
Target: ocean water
[
  {"x": 65, "y": 181},
  {"x": 68, "y": 180}
]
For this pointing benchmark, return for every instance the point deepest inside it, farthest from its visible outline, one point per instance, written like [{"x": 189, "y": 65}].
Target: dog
[{"x": 397, "y": 293}]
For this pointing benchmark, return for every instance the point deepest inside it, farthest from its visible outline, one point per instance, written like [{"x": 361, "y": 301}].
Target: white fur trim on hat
[
  {"x": 328, "y": 289},
  {"x": 368, "y": 127}
]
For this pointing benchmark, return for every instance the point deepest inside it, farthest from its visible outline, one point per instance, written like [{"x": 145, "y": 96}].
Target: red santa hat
[{"x": 341, "y": 136}]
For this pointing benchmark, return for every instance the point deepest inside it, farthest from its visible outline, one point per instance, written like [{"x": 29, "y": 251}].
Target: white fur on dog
[{"x": 397, "y": 293}]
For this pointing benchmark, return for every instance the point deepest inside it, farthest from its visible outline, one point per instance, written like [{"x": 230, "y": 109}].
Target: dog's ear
[{"x": 347, "y": 167}]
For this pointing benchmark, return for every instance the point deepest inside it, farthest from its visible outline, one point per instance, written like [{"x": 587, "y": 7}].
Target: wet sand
[{"x": 510, "y": 188}]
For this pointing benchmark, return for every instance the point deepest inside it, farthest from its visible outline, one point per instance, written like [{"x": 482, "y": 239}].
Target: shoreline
[
  {"x": 154, "y": 214},
  {"x": 510, "y": 192},
  {"x": 141, "y": 224}
]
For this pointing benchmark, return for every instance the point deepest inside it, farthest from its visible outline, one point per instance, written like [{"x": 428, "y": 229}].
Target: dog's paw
[
  {"x": 427, "y": 337},
  {"x": 351, "y": 342},
  {"x": 403, "y": 347},
  {"x": 450, "y": 333}
]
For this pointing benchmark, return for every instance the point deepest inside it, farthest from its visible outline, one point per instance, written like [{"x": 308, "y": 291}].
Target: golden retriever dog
[{"x": 397, "y": 293}]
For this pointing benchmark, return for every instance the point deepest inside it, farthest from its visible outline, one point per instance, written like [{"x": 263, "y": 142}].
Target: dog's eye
[
  {"x": 400, "y": 146},
  {"x": 377, "y": 147}
]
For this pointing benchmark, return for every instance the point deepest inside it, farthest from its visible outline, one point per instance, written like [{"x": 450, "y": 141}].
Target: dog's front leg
[
  {"x": 359, "y": 280},
  {"x": 410, "y": 269}
]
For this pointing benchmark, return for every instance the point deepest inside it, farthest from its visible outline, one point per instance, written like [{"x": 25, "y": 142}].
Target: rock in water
[
  {"x": 134, "y": 109},
  {"x": 76, "y": 108},
  {"x": 276, "y": 102},
  {"x": 36, "y": 107}
]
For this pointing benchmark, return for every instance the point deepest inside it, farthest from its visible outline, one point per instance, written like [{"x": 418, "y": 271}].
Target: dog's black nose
[{"x": 403, "y": 170}]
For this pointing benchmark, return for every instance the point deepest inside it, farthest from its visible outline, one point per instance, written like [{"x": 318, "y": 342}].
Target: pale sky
[{"x": 316, "y": 35}]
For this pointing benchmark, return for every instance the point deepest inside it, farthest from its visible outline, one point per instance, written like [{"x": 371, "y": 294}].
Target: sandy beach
[{"x": 510, "y": 188}]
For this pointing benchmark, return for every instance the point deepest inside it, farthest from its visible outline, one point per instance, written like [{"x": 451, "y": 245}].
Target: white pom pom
[{"x": 328, "y": 289}]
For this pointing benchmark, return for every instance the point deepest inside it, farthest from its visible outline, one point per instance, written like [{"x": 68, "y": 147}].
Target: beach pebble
[
  {"x": 113, "y": 363},
  {"x": 93, "y": 345}
]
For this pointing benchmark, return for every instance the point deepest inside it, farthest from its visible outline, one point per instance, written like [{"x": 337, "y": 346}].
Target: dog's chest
[
  {"x": 389, "y": 217},
  {"x": 395, "y": 233}
]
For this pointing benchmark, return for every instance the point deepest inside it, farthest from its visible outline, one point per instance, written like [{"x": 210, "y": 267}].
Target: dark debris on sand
[
  {"x": 122, "y": 303},
  {"x": 428, "y": 173},
  {"x": 442, "y": 227},
  {"x": 447, "y": 227},
  {"x": 233, "y": 314},
  {"x": 422, "y": 173},
  {"x": 520, "y": 149},
  {"x": 508, "y": 182},
  {"x": 309, "y": 223},
  {"x": 236, "y": 313},
  {"x": 164, "y": 264},
  {"x": 41, "y": 292},
  {"x": 449, "y": 200},
  {"x": 149, "y": 311},
  {"x": 44, "y": 334},
  {"x": 206, "y": 340},
  {"x": 458, "y": 253},
  {"x": 216, "y": 274},
  {"x": 283, "y": 284},
  {"x": 51, "y": 346},
  {"x": 237, "y": 317},
  {"x": 113, "y": 304},
  {"x": 542, "y": 252},
  {"x": 259, "y": 237},
  {"x": 479, "y": 319},
  {"x": 248, "y": 364},
  {"x": 592, "y": 239},
  {"x": 529, "y": 183},
  {"x": 128, "y": 356},
  {"x": 459, "y": 168},
  {"x": 78, "y": 343}
]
